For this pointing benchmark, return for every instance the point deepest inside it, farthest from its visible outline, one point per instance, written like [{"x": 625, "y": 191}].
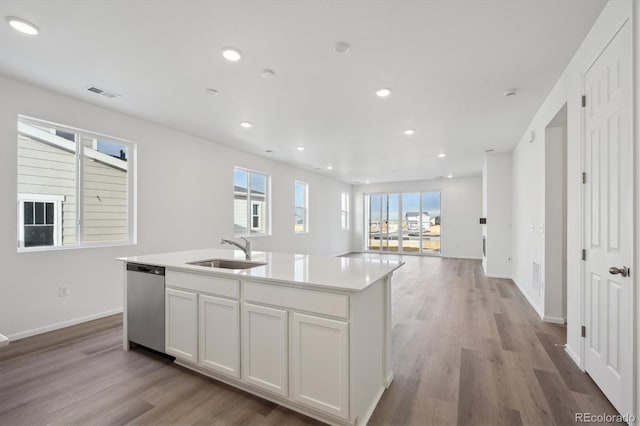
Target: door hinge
[
  {"x": 584, "y": 101},
  {"x": 584, "y": 331},
  {"x": 584, "y": 177},
  {"x": 584, "y": 254}
]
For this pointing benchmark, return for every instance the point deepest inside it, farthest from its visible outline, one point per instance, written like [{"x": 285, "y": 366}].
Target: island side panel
[
  {"x": 125, "y": 334},
  {"x": 387, "y": 366},
  {"x": 367, "y": 350}
]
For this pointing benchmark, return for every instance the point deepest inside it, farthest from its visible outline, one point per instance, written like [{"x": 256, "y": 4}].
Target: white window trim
[
  {"x": 57, "y": 217},
  {"x": 305, "y": 229},
  {"x": 266, "y": 220},
  {"x": 24, "y": 127},
  {"x": 345, "y": 210}
]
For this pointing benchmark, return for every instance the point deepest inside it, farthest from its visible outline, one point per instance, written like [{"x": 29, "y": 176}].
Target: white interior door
[{"x": 609, "y": 222}]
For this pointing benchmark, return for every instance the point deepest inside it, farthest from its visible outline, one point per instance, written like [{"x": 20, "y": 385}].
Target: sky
[
  {"x": 410, "y": 203},
  {"x": 111, "y": 148}
]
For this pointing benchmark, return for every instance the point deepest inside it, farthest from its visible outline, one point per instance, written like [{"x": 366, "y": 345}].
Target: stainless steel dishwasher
[{"x": 145, "y": 305}]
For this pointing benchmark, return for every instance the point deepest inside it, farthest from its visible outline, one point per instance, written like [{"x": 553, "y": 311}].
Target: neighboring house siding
[
  {"x": 105, "y": 203},
  {"x": 45, "y": 169},
  {"x": 240, "y": 214}
]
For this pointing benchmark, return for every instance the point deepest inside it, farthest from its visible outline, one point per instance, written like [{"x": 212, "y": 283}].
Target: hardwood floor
[{"x": 466, "y": 350}]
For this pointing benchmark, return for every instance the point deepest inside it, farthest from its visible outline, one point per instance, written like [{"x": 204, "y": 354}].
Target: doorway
[
  {"x": 403, "y": 222},
  {"x": 555, "y": 250}
]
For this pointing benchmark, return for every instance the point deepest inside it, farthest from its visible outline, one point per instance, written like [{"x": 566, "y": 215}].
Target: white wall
[
  {"x": 529, "y": 167},
  {"x": 185, "y": 201},
  {"x": 461, "y": 204},
  {"x": 496, "y": 181}
]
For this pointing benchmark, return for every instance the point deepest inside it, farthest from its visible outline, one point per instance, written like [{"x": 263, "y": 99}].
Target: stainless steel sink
[{"x": 227, "y": 264}]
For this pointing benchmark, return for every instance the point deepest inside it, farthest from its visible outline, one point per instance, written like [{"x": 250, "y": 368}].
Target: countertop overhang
[{"x": 335, "y": 273}]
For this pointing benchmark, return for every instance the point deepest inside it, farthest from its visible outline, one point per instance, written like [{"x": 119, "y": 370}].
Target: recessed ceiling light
[
  {"x": 267, "y": 73},
  {"x": 410, "y": 132},
  {"x": 383, "y": 93},
  {"x": 449, "y": 176},
  {"x": 246, "y": 124},
  {"x": 212, "y": 92},
  {"x": 341, "y": 47},
  {"x": 329, "y": 167},
  {"x": 510, "y": 93},
  {"x": 367, "y": 181},
  {"x": 300, "y": 148},
  {"x": 442, "y": 155},
  {"x": 231, "y": 54},
  {"x": 268, "y": 151},
  {"x": 23, "y": 26}
]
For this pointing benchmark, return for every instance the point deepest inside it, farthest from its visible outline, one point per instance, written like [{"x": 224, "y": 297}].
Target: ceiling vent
[{"x": 102, "y": 92}]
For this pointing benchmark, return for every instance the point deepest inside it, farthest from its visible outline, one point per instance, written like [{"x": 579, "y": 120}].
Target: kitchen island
[{"x": 311, "y": 333}]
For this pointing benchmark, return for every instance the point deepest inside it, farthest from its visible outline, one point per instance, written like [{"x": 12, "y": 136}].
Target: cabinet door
[
  {"x": 264, "y": 348},
  {"x": 182, "y": 324},
  {"x": 219, "y": 335},
  {"x": 320, "y": 363}
]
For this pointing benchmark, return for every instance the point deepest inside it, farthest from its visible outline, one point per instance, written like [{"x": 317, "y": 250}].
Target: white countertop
[{"x": 336, "y": 273}]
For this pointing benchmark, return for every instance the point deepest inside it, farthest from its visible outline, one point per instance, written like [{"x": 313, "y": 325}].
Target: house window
[
  {"x": 255, "y": 216},
  {"x": 301, "y": 206},
  {"x": 250, "y": 202},
  {"x": 75, "y": 188},
  {"x": 40, "y": 218},
  {"x": 344, "y": 214}
]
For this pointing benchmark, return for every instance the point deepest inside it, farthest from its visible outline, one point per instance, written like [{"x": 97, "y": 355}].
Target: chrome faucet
[{"x": 246, "y": 248}]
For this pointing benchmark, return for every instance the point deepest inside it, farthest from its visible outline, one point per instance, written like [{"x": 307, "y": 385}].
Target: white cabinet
[
  {"x": 264, "y": 348},
  {"x": 182, "y": 324},
  {"x": 320, "y": 363},
  {"x": 219, "y": 335}
]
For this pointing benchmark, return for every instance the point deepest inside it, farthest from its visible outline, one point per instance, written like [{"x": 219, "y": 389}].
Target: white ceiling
[{"x": 447, "y": 62}]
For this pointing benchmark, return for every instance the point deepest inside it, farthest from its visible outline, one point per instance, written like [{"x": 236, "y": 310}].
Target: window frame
[
  {"x": 305, "y": 207},
  {"x": 80, "y": 136},
  {"x": 56, "y": 200},
  {"x": 249, "y": 213},
  {"x": 345, "y": 211}
]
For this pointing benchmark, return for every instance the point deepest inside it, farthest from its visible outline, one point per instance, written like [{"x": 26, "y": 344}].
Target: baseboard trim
[
  {"x": 63, "y": 324},
  {"x": 502, "y": 277},
  {"x": 573, "y": 356},
  {"x": 526, "y": 296},
  {"x": 554, "y": 320}
]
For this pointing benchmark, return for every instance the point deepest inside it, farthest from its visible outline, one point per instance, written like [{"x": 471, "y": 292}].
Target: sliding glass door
[{"x": 405, "y": 223}]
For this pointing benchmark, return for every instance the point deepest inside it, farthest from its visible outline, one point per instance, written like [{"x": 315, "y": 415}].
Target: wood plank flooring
[{"x": 467, "y": 350}]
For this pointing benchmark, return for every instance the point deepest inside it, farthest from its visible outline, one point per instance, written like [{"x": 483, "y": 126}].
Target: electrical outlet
[{"x": 63, "y": 290}]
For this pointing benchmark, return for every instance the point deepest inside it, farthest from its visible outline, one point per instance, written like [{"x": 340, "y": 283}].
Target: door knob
[{"x": 624, "y": 271}]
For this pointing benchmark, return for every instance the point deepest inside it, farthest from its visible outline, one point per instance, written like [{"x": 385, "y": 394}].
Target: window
[
  {"x": 344, "y": 214},
  {"x": 40, "y": 220},
  {"x": 75, "y": 188},
  {"x": 301, "y": 204},
  {"x": 250, "y": 202}
]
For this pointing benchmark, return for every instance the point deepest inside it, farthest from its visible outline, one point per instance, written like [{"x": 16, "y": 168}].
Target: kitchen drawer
[
  {"x": 225, "y": 287},
  {"x": 319, "y": 302}
]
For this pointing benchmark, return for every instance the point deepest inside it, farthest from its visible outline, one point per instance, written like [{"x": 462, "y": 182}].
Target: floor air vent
[{"x": 536, "y": 281}]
